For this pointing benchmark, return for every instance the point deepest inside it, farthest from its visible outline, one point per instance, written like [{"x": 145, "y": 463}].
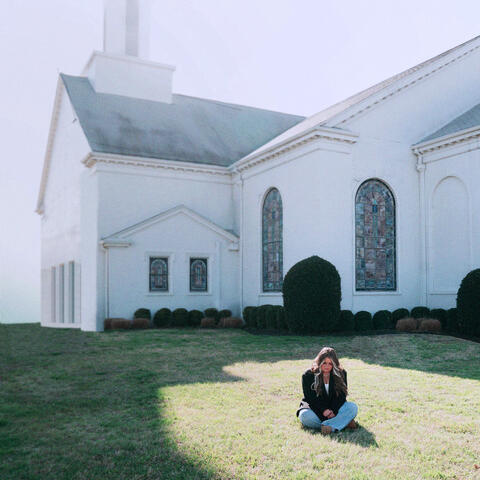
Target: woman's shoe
[
  {"x": 353, "y": 425},
  {"x": 326, "y": 429}
]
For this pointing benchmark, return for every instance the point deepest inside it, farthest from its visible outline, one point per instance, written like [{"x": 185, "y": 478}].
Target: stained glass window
[
  {"x": 375, "y": 237},
  {"x": 272, "y": 242},
  {"x": 198, "y": 275},
  {"x": 158, "y": 274}
]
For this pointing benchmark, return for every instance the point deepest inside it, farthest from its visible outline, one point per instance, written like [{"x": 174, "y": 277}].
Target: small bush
[
  {"x": 363, "y": 321},
  {"x": 142, "y": 313},
  {"x": 194, "y": 318},
  {"x": 271, "y": 317},
  {"x": 281, "y": 320},
  {"x": 253, "y": 317},
  {"x": 439, "y": 314},
  {"x": 121, "y": 324},
  {"x": 468, "y": 304},
  {"x": 398, "y": 315},
  {"x": 211, "y": 313},
  {"x": 382, "y": 320},
  {"x": 261, "y": 314},
  {"x": 408, "y": 324},
  {"x": 247, "y": 315},
  {"x": 347, "y": 321},
  {"x": 180, "y": 317},
  {"x": 452, "y": 320},
  {"x": 420, "y": 312},
  {"x": 224, "y": 313},
  {"x": 107, "y": 324},
  {"x": 163, "y": 318},
  {"x": 429, "y": 325},
  {"x": 208, "y": 322},
  {"x": 231, "y": 322},
  {"x": 139, "y": 323}
]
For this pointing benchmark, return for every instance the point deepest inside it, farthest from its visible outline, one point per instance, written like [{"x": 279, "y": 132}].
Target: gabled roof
[
  {"x": 189, "y": 129},
  {"x": 121, "y": 237}
]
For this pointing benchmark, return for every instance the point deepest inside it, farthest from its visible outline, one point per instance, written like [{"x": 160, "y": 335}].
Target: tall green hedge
[
  {"x": 468, "y": 304},
  {"x": 311, "y": 296}
]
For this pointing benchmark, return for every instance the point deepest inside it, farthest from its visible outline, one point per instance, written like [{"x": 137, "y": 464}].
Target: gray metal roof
[
  {"x": 189, "y": 129},
  {"x": 469, "y": 119}
]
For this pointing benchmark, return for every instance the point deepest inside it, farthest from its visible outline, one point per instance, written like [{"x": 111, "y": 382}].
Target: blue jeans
[{"x": 348, "y": 411}]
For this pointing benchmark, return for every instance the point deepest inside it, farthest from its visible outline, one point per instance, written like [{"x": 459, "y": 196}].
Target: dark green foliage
[
  {"x": 311, "y": 296},
  {"x": 398, "y": 315},
  {"x": 163, "y": 318},
  {"x": 253, "y": 317},
  {"x": 180, "y": 317},
  {"x": 439, "y": 314},
  {"x": 224, "y": 313},
  {"x": 468, "y": 304},
  {"x": 452, "y": 320},
  {"x": 271, "y": 317},
  {"x": 194, "y": 318},
  {"x": 211, "y": 313},
  {"x": 142, "y": 313},
  {"x": 420, "y": 312},
  {"x": 247, "y": 316},
  {"x": 347, "y": 321},
  {"x": 363, "y": 321},
  {"x": 281, "y": 319},
  {"x": 382, "y": 320},
  {"x": 261, "y": 316}
]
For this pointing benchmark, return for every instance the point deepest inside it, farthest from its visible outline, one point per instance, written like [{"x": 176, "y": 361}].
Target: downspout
[
  {"x": 107, "y": 281},
  {"x": 242, "y": 209},
  {"x": 423, "y": 229}
]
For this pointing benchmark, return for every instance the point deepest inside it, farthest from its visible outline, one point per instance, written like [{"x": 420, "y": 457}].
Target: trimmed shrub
[
  {"x": 180, "y": 317},
  {"x": 271, "y": 317},
  {"x": 420, "y": 312},
  {"x": 468, "y": 304},
  {"x": 121, "y": 323},
  {"x": 253, "y": 317},
  {"x": 311, "y": 295},
  {"x": 208, "y": 322},
  {"x": 224, "y": 313},
  {"x": 211, "y": 313},
  {"x": 363, "y": 321},
  {"x": 398, "y": 315},
  {"x": 429, "y": 325},
  {"x": 138, "y": 323},
  {"x": 452, "y": 320},
  {"x": 142, "y": 313},
  {"x": 247, "y": 316},
  {"x": 382, "y": 320},
  {"x": 439, "y": 314},
  {"x": 261, "y": 313},
  {"x": 408, "y": 324},
  {"x": 107, "y": 324},
  {"x": 194, "y": 318},
  {"x": 281, "y": 319},
  {"x": 347, "y": 321},
  {"x": 231, "y": 322},
  {"x": 163, "y": 318}
]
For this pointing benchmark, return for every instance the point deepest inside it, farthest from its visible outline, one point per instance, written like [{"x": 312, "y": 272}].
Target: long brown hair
[{"x": 337, "y": 371}]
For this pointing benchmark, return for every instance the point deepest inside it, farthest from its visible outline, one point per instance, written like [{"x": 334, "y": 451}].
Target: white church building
[{"x": 153, "y": 199}]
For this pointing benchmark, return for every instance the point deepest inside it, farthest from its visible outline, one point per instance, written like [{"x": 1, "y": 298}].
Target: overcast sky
[{"x": 294, "y": 56}]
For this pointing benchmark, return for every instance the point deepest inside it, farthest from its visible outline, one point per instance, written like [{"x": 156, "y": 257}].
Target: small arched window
[
  {"x": 375, "y": 255},
  {"x": 272, "y": 242},
  {"x": 198, "y": 275},
  {"x": 158, "y": 274}
]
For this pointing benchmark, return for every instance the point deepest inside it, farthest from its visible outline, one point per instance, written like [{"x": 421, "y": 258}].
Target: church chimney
[{"x": 122, "y": 68}]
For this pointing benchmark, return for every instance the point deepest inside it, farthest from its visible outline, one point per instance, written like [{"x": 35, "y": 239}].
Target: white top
[{"x": 326, "y": 387}]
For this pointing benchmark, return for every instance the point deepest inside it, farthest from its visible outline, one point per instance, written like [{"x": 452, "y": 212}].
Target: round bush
[
  {"x": 468, "y": 304},
  {"x": 439, "y": 314},
  {"x": 452, "y": 320},
  {"x": 382, "y": 320},
  {"x": 281, "y": 319},
  {"x": 363, "y": 321},
  {"x": 224, "y": 313},
  {"x": 194, "y": 318},
  {"x": 261, "y": 316},
  {"x": 211, "y": 313},
  {"x": 420, "y": 312},
  {"x": 162, "y": 318},
  {"x": 247, "y": 316},
  {"x": 346, "y": 322},
  {"x": 398, "y": 315},
  {"x": 142, "y": 313},
  {"x": 311, "y": 296},
  {"x": 180, "y": 317},
  {"x": 271, "y": 317}
]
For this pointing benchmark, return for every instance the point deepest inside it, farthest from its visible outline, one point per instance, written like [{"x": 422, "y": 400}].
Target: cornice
[
  {"x": 94, "y": 158},
  {"x": 315, "y": 134}
]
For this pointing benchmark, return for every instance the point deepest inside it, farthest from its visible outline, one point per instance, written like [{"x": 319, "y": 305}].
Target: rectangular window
[
  {"x": 198, "y": 275},
  {"x": 159, "y": 274},
  {"x": 53, "y": 286},
  {"x": 71, "y": 292},
  {"x": 61, "y": 293}
]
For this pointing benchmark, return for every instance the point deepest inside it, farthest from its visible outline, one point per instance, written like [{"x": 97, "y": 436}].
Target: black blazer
[{"x": 324, "y": 401}]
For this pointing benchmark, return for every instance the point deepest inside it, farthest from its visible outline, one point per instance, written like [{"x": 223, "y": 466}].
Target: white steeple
[{"x": 122, "y": 68}]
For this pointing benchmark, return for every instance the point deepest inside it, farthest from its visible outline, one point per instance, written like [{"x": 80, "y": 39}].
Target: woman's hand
[{"x": 327, "y": 413}]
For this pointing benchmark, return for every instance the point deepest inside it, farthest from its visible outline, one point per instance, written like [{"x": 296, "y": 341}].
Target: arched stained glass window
[
  {"x": 272, "y": 242},
  {"x": 198, "y": 275},
  {"x": 375, "y": 237},
  {"x": 158, "y": 274}
]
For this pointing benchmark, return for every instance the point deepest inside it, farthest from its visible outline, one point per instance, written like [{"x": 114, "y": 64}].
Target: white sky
[{"x": 295, "y": 56}]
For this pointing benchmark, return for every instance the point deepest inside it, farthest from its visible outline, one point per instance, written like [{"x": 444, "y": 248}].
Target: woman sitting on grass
[{"x": 324, "y": 404}]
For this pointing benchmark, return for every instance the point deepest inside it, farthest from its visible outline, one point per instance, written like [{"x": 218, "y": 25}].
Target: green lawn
[{"x": 184, "y": 404}]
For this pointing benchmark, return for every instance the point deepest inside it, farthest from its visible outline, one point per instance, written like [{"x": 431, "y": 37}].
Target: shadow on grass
[
  {"x": 361, "y": 436},
  {"x": 77, "y": 405}
]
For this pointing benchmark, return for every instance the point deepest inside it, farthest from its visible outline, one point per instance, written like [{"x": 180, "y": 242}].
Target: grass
[{"x": 198, "y": 404}]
